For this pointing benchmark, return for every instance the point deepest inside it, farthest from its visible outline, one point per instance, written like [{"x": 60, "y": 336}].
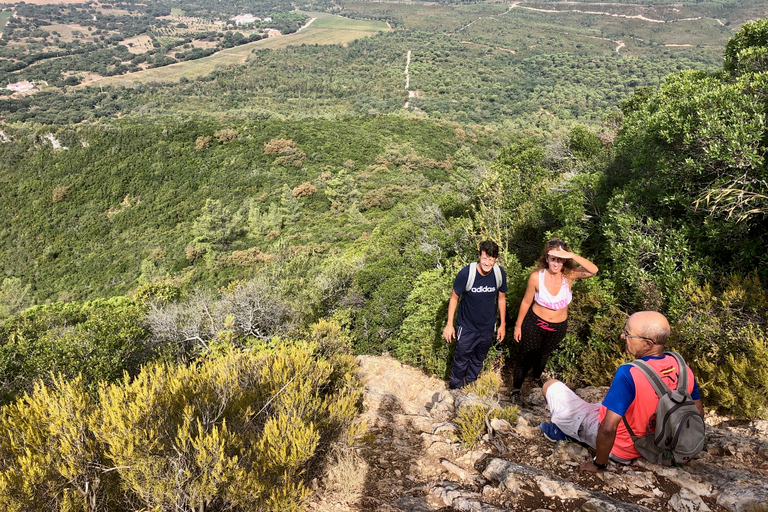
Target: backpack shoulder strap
[
  {"x": 497, "y": 273},
  {"x": 472, "y": 274},
  {"x": 682, "y": 379},
  {"x": 659, "y": 387}
]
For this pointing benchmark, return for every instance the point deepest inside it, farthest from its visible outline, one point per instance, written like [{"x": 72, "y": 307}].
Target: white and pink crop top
[{"x": 545, "y": 299}]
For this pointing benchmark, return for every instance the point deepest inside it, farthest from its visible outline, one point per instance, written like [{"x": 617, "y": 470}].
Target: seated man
[{"x": 600, "y": 425}]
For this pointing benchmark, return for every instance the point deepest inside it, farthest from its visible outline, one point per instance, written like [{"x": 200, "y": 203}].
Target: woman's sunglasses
[{"x": 556, "y": 242}]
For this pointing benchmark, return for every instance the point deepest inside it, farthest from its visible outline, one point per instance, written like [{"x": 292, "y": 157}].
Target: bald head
[{"x": 652, "y": 325}]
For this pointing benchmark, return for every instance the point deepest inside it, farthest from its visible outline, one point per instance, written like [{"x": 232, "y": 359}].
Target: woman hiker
[{"x": 543, "y": 317}]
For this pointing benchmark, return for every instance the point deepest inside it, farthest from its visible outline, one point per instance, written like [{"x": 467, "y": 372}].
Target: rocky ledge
[{"x": 414, "y": 462}]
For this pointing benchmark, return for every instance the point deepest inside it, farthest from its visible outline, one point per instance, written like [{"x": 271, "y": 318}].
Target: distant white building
[
  {"x": 22, "y": 86},
  {"x": 245, "y": 18}
]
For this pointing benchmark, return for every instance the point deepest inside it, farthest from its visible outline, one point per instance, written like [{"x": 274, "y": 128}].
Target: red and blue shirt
[{"x": 631, "y": 395}]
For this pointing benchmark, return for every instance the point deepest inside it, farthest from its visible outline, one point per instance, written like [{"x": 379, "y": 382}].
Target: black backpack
[{"x": 676, "y": 432}]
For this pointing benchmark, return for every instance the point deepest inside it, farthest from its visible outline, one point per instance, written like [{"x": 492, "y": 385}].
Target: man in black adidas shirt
[{"x": 482, "y": 286}]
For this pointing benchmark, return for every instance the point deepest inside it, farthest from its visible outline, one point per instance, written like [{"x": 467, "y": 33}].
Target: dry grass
[
  {"x": 138, "y": 44},
  {"x": 346, "y": 475}
]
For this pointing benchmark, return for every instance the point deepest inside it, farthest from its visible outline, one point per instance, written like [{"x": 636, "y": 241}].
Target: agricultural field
[
  {"x": 327, "y": 29},
  {"x": 62, "y": 44},
  {"x": 324, "y": 29},
  {"x": 138, "y": 44}
]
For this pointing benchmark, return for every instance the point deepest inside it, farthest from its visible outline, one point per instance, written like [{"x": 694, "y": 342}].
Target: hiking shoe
[
  {"x": 554, "y": 434},
  {"x": 516, "y": 397}
]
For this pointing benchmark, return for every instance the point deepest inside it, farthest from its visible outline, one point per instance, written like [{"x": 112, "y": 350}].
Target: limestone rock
[
  {"x": 739, "y": 498},
  {"x": 454, "y": 497},
  {"x": 687, "y": 501}
]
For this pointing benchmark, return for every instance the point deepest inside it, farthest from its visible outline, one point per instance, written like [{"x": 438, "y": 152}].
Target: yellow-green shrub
[
  {"x": 723, "y": 338},
  {"x": 473, "y": 420},
  {"x": 234, "y": 431},
  {"x": 49, "y": 457},
  {"x": 487, "y": 385}
]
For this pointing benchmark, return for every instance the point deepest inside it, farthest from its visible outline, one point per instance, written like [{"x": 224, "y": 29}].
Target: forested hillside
[{"x": 218, "y": 247}]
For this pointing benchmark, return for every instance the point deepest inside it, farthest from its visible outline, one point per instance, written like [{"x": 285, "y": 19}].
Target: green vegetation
[
  {"x": 474, "y": 63},
  {"x": 368, "y": 217},
  {"x": 325, "y": 30},
  {"x": 58, "y": 44},
  {"x": 143, "y": 219},
  {"x": 219, "y": 245},
  {"x": 97, "y": 340}
]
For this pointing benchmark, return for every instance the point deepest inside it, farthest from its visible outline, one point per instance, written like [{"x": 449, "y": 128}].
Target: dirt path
[
  {"x": 411, "y": 94},
  {"x": 628, "y": 16},
  {"x": 619, "y": 44},
  {"x": 308, "y": 23}
]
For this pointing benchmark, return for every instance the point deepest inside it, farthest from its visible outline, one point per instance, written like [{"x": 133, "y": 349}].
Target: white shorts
[{"x": 572, "y": 414}]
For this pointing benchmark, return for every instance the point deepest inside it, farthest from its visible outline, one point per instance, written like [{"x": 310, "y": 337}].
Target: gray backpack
[
  {"x": 473, "y": 273},
  {"x": 676, "y": 432}
]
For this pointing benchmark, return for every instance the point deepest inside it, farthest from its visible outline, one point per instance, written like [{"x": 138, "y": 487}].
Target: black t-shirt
[{"x": 477, "y": 309}]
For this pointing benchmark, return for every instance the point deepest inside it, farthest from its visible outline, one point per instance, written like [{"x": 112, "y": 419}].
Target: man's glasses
[
  {"x": 556, "y": 242},
  {"x": 627, "y": 335}
]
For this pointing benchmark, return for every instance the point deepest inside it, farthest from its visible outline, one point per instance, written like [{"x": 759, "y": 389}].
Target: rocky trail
[{"x": 412, "y": 460}]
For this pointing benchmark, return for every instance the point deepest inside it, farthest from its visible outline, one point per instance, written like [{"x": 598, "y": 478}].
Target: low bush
[
  {"x": 235, "y": 431},
  {"x": 487, "y": 385},
  {"x": 420, "y": 341},
  {"x": 724, "y": 339},
  {"x": 99, "y": 340},
  {"x": 473, "y": 420}
]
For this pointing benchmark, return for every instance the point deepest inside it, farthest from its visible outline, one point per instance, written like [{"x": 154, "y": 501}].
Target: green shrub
[
  {"x": 99, "y": 340},
  {"x": 655, "y": 255},
  {"x": 723, "y": 337},
  {"x": 592, "y": 348},
  {"x": 420, "y": 341},
  {"x": 583, "y": 143},
  {"x": 158, "y": 293}
]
